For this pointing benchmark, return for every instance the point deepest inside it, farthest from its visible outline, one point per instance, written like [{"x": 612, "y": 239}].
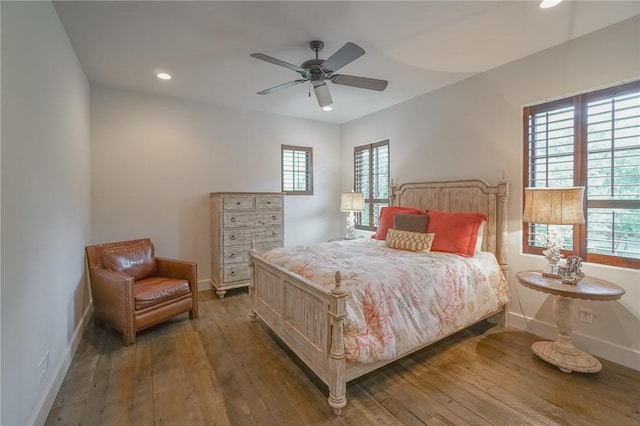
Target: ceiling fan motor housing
[{"x": 314, "y": 71}]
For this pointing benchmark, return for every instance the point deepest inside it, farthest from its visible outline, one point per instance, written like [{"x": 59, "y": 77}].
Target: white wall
[
  {"x": 474, "y": 129},
  {"x": 45, "y": 207},
  {"x": 155, "y": 160}
]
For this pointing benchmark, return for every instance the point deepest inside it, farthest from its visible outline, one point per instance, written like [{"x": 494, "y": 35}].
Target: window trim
[
  {"x": 368, "y": 198},
  {"x": 580, "y": 175},
  {"x": 309, "y": 156}
]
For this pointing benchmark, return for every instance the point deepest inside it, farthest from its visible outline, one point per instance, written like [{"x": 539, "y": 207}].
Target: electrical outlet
[
  {"x": 43, "y": 367},
  {"x": 586, "y": 315}
]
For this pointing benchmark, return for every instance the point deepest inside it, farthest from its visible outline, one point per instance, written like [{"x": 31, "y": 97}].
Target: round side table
[{"x": 562, "y": 352}]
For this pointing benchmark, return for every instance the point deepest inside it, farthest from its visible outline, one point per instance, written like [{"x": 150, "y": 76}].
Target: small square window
[{"x": 297, "y": 170}]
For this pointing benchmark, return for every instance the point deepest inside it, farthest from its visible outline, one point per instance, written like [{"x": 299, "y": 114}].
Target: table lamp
[
  {"x": 554, "y": 206},
  {"x": 351, "y": 202}
]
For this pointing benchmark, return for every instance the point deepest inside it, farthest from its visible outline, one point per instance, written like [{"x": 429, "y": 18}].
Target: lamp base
[
  {"x": 351, "y": 226},
  {"x": 551, "y": 271}
]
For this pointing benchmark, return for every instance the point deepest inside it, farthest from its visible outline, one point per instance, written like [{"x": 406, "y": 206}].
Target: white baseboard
[
  {"x": 204, "y": 285},
  {"x": 48, "y": 397},
  {"x": 600, "y": 348}
]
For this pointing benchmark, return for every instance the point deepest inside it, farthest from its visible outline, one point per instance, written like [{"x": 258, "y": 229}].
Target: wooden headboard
[{"x": 470, "y": 196}]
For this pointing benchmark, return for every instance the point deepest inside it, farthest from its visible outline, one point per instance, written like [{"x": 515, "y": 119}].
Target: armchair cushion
[
  {"x": 137, "y": 261},
  {"x": 154, "y": 290}
]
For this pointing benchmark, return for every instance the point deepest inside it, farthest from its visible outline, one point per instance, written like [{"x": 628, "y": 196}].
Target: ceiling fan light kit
[
  {"x": 318, "y": 71},
  {"x": 546, "y": 4},
  {"x": 323, "y": 95}
]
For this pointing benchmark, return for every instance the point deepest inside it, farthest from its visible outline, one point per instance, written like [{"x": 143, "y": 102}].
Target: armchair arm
[
  {"x": 182, "y": 269},
  {"x": 112, "y": 294},
  {"x": 172, "y": 268}
]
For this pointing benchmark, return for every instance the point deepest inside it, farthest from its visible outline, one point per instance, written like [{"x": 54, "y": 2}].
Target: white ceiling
[{"x": 418, "y": 46}]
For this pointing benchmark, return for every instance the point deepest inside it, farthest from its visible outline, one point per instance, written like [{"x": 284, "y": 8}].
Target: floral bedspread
[{"x": 399, "y": 300}]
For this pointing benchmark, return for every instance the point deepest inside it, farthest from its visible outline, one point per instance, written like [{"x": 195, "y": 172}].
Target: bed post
[
  {"x": 337, "y": 368},
  {"x": 501, "y": 241},
  {"x": 501, "y": 221},
  {"x": 252, "y": 282},
  {"x": 392, "y": 194}
]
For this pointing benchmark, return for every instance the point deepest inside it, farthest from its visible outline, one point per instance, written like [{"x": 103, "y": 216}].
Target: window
[
  {"x": 371, "y": 177},
  {"x": 590, "y": 140},
  {"x": 297, "y": 170}
]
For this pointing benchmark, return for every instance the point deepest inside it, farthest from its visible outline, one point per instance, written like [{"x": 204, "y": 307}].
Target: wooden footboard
[{"x": 307, "y": 317}]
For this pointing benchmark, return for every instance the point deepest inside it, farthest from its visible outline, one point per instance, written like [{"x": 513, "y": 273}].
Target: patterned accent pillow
[{"x": 412, "y": 241}]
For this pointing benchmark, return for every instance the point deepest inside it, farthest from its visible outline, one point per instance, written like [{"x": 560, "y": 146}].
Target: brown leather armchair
[{"x": 132, "y": 289}]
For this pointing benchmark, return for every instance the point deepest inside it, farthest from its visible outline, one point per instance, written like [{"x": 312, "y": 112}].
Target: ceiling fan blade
[
  {"x": 281, "y": 86},
  {"x": 323, "y": 95},
  {"x": 278, "y": 62},
  {"x": 361, "y": 82},
  {"x": 346, "y": 54}
]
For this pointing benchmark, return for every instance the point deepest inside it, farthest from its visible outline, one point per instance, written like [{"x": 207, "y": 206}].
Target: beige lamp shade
[
  {"x": 554, "y": 206},
  {"x": 352, "y": 202}
]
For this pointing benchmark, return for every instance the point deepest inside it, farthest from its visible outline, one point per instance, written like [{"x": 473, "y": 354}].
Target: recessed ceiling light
[
  {"x": 163, "y": 76},
  {"x": 327, "y": 108},
  {"x": 546, "y": 4}
]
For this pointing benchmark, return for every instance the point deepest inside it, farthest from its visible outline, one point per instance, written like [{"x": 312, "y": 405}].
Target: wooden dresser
[{"x": 237, "y": 218}]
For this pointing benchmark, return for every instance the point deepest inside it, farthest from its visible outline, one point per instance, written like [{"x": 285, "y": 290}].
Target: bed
[{"x": 311, "y": 316}]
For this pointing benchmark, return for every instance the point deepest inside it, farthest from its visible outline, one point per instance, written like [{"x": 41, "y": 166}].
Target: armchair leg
[
  {"x": 128, "y": 340},
  {"x": 193, "y": 314}
]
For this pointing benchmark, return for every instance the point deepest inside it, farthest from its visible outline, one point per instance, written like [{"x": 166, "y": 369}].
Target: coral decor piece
[
  {"x": 351, "y": 226},
  {"x": 571, "y": 273},
  {"x": 553, "y": 241}
]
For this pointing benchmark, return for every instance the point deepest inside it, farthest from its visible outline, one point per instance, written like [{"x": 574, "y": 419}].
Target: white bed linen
[{"x": 399, "y": 300}]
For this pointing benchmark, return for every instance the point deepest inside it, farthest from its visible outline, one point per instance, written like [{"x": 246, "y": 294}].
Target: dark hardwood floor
[{"x": 222, "y": 369}]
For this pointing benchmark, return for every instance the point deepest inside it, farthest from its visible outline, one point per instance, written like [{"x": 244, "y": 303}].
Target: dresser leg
[{"x": 221, "y": 293}]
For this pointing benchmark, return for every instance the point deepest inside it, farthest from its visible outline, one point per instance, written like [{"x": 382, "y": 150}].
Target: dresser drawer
[
  {"x": 240, "y": 254},
  {"x": 268, "y": 202},
  {"x": 236, "y": 254},
  {"x": 236, "y": 273},
  {"x": 264, "y": 235},
  {"x": 237, "y": 203},
  {"x": 235, "y": 219},
  {"x": 245, "y": 236}
]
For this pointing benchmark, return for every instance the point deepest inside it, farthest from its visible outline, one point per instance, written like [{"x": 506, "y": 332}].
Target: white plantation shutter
[
  {"x": 550, "y": 150},
  {"x": 371, "y": 177},
  {"x": 613, "y": 174}
]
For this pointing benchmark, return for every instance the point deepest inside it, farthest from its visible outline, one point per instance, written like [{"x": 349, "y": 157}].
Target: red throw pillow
[
  {"x": 455, "y": 232},
  {"x": 386, "y": 219}
]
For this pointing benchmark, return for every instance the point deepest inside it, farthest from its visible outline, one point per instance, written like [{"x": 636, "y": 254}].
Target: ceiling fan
[{"x": 317, "y": 71}]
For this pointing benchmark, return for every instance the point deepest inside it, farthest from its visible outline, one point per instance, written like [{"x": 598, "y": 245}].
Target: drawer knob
[
  {"x": 268, "y": 202},
  {"x": 273, "y": 217},
  {"x": 238, "y": 203},
  {"x": 233, "y": 273},
  {"x": 233, "y": 255},
  {"x": 233, "y": 237},
  {"x": 273, "y": 234},
  {"x": 233, "y": 219}
]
